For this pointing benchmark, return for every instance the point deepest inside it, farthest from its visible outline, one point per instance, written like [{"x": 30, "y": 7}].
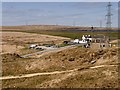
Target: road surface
[{"x": 47, "y": 51}]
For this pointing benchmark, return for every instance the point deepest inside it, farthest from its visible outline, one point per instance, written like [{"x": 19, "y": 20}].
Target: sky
[
  {"x": 59, "y": 0},
  {"x": 58, "y": 13}
]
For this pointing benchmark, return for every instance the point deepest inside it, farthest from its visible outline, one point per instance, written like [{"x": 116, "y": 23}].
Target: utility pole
[
  {"x": 108, "y": 23},
  {"x": 56, "y": 24},
  {"x": 26, "y": 23},
  {"x": 74, "y": 23},
  {"x": 100, "y": 23}
]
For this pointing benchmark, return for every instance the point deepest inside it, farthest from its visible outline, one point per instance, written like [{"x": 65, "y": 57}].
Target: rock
[
  {"x": 72, "y": 59},
  {"x": 94, "y": 61}
]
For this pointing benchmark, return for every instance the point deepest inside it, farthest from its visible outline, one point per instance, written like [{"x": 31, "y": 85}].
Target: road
[
  {"x": 50, "y": 73},
  {"x": 47, "y": 51}
]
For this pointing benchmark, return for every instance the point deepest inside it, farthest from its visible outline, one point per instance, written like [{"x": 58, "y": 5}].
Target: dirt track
[{"x": 49, "y": 73}]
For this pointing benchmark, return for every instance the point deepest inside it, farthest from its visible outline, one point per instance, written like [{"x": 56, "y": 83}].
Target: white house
[
  {"x": 83, "y": 38},
  {"x": 87, "y": 38}
]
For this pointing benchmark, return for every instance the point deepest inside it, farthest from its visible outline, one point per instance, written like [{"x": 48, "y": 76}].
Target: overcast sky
[{"x": 60, "y": 13}]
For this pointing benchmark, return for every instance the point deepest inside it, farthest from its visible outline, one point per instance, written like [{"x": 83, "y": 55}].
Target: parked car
[
  {"x": 33, "y": 46},
  {"x": 39, "y": 48}
]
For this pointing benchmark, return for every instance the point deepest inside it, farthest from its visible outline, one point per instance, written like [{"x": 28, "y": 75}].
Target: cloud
[
  {"x": 64, "y": 13},
  {"x": 70, "y": 16}
]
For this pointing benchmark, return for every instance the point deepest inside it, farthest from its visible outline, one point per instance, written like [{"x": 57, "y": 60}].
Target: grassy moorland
[
  {"x": 64, "y": 31},
  {"x": 69, "y": 59},
  {"x": 72, "y": 35},
  {"x": 74, "y": 58}
]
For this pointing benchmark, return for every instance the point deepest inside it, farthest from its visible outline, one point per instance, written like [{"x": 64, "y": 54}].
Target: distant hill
[{"x": 51, "y": 27}]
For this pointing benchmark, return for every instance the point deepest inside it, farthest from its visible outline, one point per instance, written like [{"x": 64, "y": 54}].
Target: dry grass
[
  {"x": 24, "y": 38},
  {"x": 62, "y": 60},
  {"x": 68, "y": 59},
  {"x": 18, "y": 42}
]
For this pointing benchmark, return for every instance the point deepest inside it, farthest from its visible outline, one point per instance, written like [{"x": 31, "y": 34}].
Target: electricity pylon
[{"x": 109, "y": 22}]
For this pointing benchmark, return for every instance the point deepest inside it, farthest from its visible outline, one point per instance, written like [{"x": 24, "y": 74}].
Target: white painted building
[{"x": 85, "y": 39}]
